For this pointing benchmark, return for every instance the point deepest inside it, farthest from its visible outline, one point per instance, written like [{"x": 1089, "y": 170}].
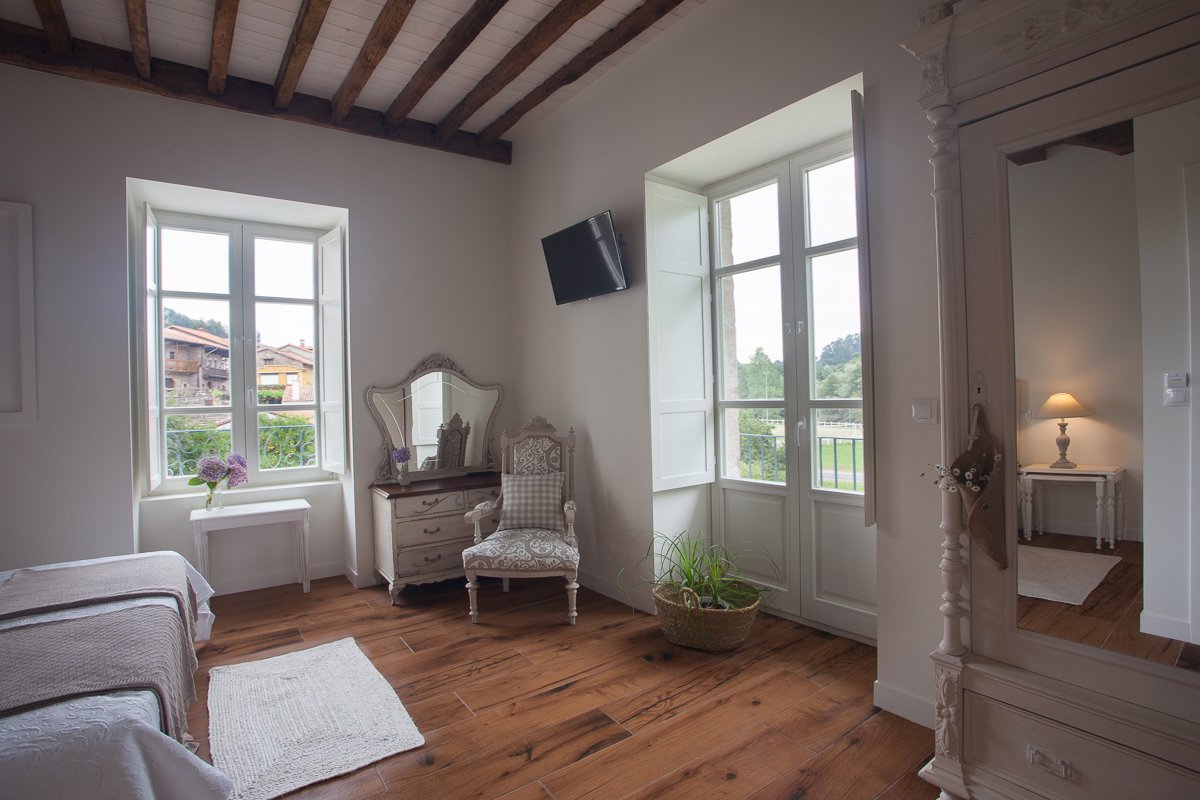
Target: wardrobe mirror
[{"x": 1101, "y": 309}]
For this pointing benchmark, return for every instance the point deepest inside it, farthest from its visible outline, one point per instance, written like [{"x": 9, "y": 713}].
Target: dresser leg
[{"x": 394, "y": 590}]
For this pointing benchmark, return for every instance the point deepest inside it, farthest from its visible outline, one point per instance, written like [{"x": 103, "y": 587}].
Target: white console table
[
  {"x": 1110, "y": 496},
  {"x": 251, "y": 515}
]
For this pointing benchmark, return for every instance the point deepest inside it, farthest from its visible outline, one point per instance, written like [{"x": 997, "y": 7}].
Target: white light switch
[
  {"x": 1176, "y": 397},
  {"x": 925, "y": 410},
  {"x": 1175, "y": 380}
]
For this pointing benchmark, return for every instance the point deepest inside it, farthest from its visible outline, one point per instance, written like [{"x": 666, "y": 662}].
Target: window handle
[{"x": 801, "y": 427}]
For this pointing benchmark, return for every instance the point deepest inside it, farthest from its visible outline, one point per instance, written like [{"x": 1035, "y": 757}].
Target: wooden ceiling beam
[
  {"x": 610, "y": 42},
  {"x": 23, "y": 46},
  {"x": 308, "y": 24},
  {"x": 457, "y": 40},
  {"x": 515, "y": 61},
  {"x": 139, "y": 36},
  {"x": 1116, "y": 139},
  {"x": 224, "y": 22},
  {"x": 387, "y": 26},
  {"x": 54, "y": 26}
]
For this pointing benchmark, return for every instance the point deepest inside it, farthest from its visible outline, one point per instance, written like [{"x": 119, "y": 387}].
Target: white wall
[
  {"x": 1166, "y": 141},
  {"x": 586, "y": 363},
  {"x": 427, "y": 272},
  {"x": 1076, "y": 285}
]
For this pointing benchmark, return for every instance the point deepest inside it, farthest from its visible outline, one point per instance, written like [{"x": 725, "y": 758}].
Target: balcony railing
[
  {"x": 839, "y": 460},
  {"x": 279, "y": 447},
  {"x": 839, "y": 463},
  {"x": 763, "y": 454}
]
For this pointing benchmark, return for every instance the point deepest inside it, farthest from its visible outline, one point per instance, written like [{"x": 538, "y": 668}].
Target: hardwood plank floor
[
  {"x": 523, "y": 706},
  {"x": 1109, "y": 616}
]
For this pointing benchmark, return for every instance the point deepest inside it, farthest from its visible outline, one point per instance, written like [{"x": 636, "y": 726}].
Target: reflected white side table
[
  {"x": 1110, "y": 496},
  {"x": 250, "y": 515}
]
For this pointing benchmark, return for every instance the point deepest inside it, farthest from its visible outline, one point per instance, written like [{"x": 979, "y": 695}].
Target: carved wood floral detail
[
  {"x": 1041, "y": 28},
  {"x": 948, "y": 725}
]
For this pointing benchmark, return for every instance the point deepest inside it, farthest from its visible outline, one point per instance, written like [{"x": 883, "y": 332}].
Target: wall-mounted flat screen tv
[{"x": 584, "y": 260}]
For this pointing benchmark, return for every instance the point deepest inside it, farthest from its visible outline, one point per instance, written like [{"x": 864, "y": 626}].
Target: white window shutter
[
  {"x": 864, "y": 299},
  {"x": 153, "y": 384},
  {"x": 679, "y": 297},
  {"x": 331, "y": 365}
]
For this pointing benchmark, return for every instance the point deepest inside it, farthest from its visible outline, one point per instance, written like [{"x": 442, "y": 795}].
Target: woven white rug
[
  {"x": 1060, "y": 575},
  {"x": 285, "y": 722}
]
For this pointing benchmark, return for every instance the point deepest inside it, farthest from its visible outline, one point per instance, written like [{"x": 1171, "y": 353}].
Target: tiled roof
[{"x": 178, "y": 333}]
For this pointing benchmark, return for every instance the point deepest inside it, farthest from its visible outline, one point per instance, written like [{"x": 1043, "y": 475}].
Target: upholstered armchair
[{"x": 536, "y": 535}]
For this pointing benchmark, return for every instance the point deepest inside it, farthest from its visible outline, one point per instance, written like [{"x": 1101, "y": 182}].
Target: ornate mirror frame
[{"x": 385, "y": 473}]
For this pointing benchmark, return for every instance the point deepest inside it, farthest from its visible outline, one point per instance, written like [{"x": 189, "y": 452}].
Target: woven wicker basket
[{"x": 685, "y": 623}]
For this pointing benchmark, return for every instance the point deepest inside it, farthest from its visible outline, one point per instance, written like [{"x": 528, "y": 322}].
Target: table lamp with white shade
[{"x": 1062, "y": 405}]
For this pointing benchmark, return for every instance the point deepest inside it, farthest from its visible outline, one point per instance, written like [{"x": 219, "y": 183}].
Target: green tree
[
  {"x": 761, "y": 378},
  {"x": 840, "y": 351},
  {"x": 213, "y": 326}
]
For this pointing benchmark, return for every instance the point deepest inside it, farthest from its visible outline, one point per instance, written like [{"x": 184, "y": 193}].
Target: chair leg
[
  {"x": 572, "y": 587},
  {"x": 473, "y": 593},
  {"x": 505, "y": 585}
]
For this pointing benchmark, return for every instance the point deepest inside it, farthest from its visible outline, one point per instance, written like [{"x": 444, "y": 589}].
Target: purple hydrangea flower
[
  {"x": 237, "y": 474},
  {"x": 239, "y": 460},
  {"x": 401, "y": 455},
  {"x": 211, "y": 469}
]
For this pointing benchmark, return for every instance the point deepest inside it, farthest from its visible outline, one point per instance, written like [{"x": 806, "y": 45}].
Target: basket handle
[{"x": 689, "y": 598}]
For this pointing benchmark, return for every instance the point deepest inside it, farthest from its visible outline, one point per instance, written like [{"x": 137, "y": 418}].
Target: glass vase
[
  {"x": 404, "y": 478},
  {"x": 214, "y": 502}
]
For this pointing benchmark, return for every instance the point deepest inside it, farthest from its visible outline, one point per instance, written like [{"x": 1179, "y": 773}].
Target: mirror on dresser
[
  {"x": 445, "y": 419},
  {"x": 1100, "y": 314}
]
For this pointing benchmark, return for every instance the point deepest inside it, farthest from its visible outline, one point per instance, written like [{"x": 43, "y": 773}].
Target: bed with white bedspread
[{"x": 126, "y": 741}]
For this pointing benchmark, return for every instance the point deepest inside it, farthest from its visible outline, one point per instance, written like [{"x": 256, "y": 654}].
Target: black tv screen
[{"x": 584, "y": 260}]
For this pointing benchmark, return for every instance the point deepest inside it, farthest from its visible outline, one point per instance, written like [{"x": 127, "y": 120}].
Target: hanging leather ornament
[{"x": 981, "y": 487}]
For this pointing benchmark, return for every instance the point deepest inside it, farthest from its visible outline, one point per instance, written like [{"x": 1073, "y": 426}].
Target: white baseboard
[
  {"x": 905, "y": 704},
  {"x": 360, "y": 580},
  {"x": 1170, "y": 627},
  {"x": 638, "y": 597},
  {"x": 281, "y": 577}
]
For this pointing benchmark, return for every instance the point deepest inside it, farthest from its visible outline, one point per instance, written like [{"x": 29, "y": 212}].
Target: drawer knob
[{"x": 1049, "y": 762}]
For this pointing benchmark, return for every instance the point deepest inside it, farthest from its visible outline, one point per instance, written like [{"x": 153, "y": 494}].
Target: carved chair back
[
  {"x": 538, "y": 449},
  {"x": 452, "y": 443}
]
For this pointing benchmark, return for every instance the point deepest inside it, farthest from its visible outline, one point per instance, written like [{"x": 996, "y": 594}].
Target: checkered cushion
[
  {"x": 532, "y": 501},
  {"x": 532, "y": 549}
]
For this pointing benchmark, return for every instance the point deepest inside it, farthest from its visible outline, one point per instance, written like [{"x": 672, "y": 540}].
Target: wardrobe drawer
[
  {"x": 429, "y": 530},
  {"x": 439, "y": 558},
  {"x": 425, "y": 505},
  {"x": 1060, "y": 762}
]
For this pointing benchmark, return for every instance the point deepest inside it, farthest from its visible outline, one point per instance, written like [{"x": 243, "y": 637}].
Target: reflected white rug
[
  {"x": 285, "y": 722},
  {"x": 1060, "y": 575}
]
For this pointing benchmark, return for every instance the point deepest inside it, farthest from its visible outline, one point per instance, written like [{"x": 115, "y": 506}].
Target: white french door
[{"x": 792, "y": 449}]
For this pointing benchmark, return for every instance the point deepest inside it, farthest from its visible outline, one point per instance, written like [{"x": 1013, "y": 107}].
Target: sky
[
  {"x": 834, "y": 277},
  {"x": 198, "y": 261}
]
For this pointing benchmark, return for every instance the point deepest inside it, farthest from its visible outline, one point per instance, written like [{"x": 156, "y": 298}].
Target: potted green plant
[{"x": 702, "y": 597}]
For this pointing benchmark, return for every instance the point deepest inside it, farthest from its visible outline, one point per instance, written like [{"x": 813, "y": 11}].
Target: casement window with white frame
[{"x": 242, "y": 349}]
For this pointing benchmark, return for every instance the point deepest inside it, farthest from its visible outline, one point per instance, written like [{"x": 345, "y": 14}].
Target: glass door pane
[
  {"x": 748, "y": 226},
  {"x": 836, "y": 326},
  {"x": 751, "y": 319}
]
